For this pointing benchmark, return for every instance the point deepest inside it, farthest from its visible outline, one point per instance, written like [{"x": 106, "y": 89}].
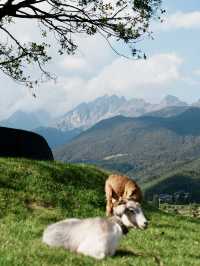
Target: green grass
[{"x": 34, "y": 194}]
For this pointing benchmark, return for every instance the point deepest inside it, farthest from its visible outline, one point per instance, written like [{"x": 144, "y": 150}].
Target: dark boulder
[{"x": 21, "y": 143}]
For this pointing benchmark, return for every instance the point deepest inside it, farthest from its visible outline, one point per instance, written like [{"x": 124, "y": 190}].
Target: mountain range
[
  {"x": 143, "y": 146},
  {"x": 86, "y": 115},
  {"x": 63, "y": 129},
  {"x": 27, "y": 120},
  {"x": 156, "y": 144}
]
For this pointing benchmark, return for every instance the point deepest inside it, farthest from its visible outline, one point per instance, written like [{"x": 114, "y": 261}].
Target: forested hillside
[{"x": 140, "y": 147}]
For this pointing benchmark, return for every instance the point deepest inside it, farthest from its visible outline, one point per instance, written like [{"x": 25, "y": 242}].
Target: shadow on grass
[
  {"x": 164, "y": 226},
  {"x": 144, "y": 255},
  {"x": 125, "y": 253},
  {"x": 197, "y": 257},
  {"x": 44, "y": 221}
]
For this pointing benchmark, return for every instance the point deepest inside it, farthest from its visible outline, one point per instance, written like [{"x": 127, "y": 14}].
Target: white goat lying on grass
[{"x": 96, "y": 237}]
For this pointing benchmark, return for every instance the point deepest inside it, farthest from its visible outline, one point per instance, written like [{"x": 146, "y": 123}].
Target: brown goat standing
[{"x": 119, "y": 187}]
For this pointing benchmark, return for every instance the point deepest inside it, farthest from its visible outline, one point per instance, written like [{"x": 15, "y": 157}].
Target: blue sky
[
  {"x": 172, "y": 67},
  {"x": 185, "y": 42}
]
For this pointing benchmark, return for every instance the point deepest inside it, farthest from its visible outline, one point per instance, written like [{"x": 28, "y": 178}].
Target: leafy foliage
[{"x": 126, "y": 20}]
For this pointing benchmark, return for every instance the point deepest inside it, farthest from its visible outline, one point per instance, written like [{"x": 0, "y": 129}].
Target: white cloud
[
  {"x": 197, "y": 72},
  {"x": 180, "y": 20},
  {"x": 94, "y": 71},
  {"x": 72, "y": 63},
  {"x": 95, "y": 50},
  {"x": 136, "y": 77},
  {"x": 131, "y": 78},
  {"x": 92, "y": 55}
]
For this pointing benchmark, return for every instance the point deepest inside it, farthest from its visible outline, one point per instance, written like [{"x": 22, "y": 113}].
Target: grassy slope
[
  {"x": 186, "y": 178},
  {"x": 34, "y": 194}
]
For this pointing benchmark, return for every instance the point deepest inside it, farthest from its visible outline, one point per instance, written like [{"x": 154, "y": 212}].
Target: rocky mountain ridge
[
  {"x": 86, "y": 115},
  {"x": 143, "y": 146}
]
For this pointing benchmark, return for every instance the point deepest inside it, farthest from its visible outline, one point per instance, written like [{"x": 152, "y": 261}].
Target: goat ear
[{"x": 119, "y": 210}]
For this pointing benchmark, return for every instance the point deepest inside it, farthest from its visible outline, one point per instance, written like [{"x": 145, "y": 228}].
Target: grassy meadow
[{"x": 34, "y": 194}]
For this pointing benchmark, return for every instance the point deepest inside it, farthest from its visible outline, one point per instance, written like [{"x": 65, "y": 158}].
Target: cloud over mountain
[{"x": 181, "y": 20}]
